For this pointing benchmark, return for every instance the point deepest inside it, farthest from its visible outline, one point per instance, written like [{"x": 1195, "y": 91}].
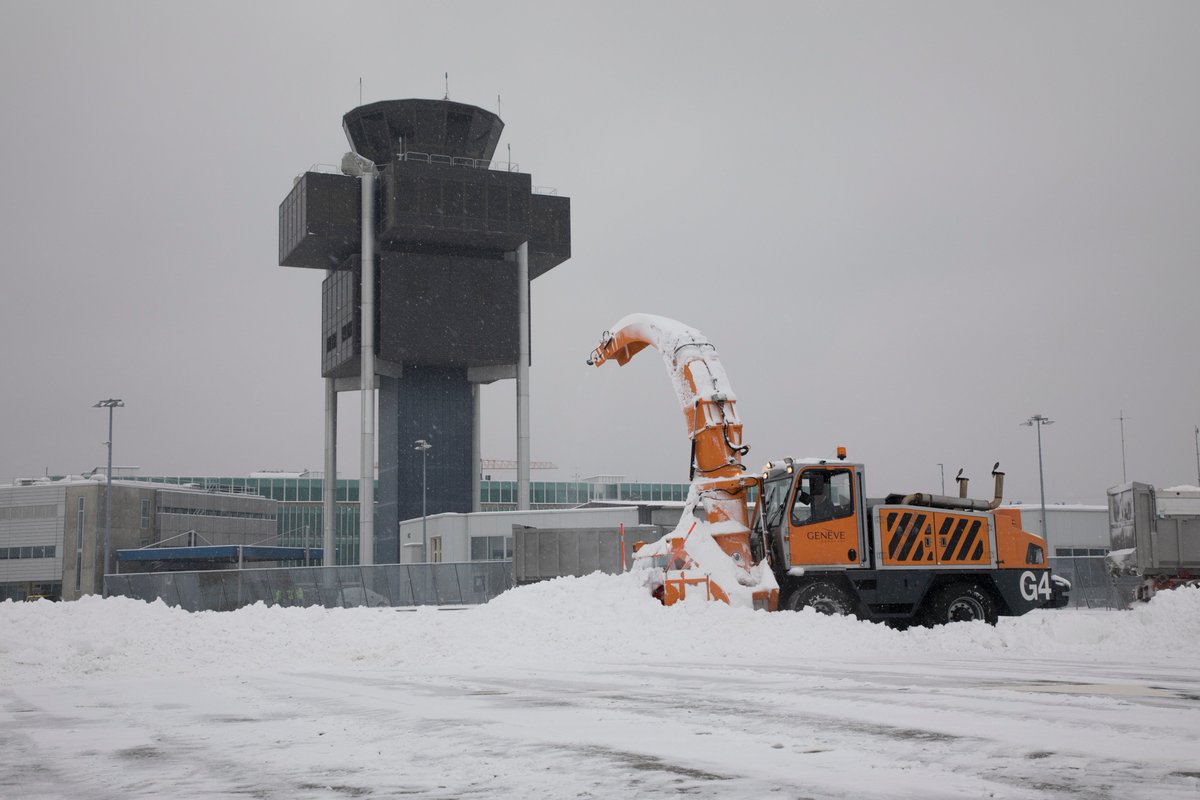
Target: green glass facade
[
  {"x": 501, "y": 495},
  {"x": 300, "y": 521}
]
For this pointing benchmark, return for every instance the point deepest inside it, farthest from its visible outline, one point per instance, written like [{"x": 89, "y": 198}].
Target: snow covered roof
[
  {"x": 283, "y": 473},
  {"x": 98, "y": 478},
  {"x": 601, "y": 503}
]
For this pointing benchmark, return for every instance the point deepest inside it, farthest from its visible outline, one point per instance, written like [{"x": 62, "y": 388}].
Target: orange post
[{"x": 622, "y": 547}]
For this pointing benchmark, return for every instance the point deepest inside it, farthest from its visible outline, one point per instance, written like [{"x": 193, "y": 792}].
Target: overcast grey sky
[{"x": 906, "y": 226}]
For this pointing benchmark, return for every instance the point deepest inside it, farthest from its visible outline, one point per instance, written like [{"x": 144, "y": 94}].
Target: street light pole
[
  {"x": 1038, "y": 420},
  {"x": 423, "y": 446},
  {"x": 1198, "y": 455},
  {"x": 942, "y": 469},
  {"x": 110, "y": 404},
  {"x": 1121, "y": 419}
]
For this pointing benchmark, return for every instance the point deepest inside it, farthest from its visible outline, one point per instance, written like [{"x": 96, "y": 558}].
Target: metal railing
[
  {"x": 449, "y": 161},
  {"x": 325, "y": 169},
  {"x": 459, "y": 161},
  {"x": 384, "y": 586}
]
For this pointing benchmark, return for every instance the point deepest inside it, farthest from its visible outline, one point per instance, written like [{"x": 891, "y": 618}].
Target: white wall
[
  {"x": 457, "y": 530},
  {"x": 1070, "y": 526},
  {"x": 25, "y": 523}
]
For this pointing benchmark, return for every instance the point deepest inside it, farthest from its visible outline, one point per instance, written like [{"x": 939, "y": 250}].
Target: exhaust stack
[{"x": 962, "y": 502}]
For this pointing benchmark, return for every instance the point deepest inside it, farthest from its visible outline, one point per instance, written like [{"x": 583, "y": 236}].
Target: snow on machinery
[
  {"x": 1155, "y": 536},
  {"x": 816, "y": 540},
  {"x": 712, "y": 541}
]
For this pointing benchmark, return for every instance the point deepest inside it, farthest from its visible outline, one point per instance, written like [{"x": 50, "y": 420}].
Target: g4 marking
[{"x": 1033, "y": 588}]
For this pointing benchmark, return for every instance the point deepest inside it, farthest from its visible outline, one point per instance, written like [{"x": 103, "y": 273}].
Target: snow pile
[
  {"x": 551, "y": 625},
  {"x": 587, "y": 687},
  {"x": 1121, "y": 562},
  {"x": 692, "y": 540}
]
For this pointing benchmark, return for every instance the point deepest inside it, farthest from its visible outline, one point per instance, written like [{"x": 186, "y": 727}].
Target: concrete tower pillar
[
  {"x": 329, "y": 482},
  {"x": 366, "y": 485},
  {"x": 523, "y": 495},
  {"x": 476, "y": 457}
]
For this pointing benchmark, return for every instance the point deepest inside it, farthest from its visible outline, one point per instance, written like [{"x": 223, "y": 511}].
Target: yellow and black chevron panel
[
  {"x": 962, "y": 539},
  {"x": 907, "y": 536}
]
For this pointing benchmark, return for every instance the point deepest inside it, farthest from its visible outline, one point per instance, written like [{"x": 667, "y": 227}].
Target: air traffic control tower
[{"x": 428, "y": 246}]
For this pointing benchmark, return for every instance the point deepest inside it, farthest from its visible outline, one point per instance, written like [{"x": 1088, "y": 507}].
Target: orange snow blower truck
[{"x": 815, "y": 539}]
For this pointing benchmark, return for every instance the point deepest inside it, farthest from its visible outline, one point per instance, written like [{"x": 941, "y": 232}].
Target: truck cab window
[
  {"x": 821, "y": 496},
  {"x": 774, "y": 500}
]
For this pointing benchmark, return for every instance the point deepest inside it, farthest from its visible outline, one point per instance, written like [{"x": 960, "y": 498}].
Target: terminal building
[
  {"x": 52, "y": 529},
  {"x": 298, "y": 495},
  {"x": 42, "y": 552}
]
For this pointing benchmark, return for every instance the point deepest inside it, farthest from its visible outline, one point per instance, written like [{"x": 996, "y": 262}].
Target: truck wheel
[
  {"x": 824, "y": 597},
  {"x": 962, "y": 602}
]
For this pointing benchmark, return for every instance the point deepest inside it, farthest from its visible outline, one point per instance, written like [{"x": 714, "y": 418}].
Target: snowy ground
[{"x": 586, "y": 688}]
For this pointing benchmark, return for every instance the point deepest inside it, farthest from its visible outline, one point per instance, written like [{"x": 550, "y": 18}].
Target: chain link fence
[
  {"x": 1091, "y": 584},
  {"x": 471, "y": 583},
  {"x": 387, "y": 585}
]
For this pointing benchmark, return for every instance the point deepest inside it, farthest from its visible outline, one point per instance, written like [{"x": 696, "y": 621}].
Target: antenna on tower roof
[
  {"x": 498, "y": 114},
  {"x": 360, "y": 90},
  {"x": 447, "y": 97}
]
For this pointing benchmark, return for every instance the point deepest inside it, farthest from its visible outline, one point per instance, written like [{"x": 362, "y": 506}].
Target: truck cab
[{"x": 814, "y": 513}]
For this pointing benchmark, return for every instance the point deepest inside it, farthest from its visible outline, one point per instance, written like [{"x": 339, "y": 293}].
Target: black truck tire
[
  {"x": 824, "y": 597},
  {"x": 961, "y": 602}
]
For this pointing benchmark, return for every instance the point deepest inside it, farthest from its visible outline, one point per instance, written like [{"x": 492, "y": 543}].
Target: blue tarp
[{"x": 224, "y": 552}]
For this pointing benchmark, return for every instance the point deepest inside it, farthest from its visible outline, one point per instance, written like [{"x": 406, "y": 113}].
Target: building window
[
  {"x": 491, "y": 548},
  {"x": 435, "y": 549},
  {"x": 28, "y": 512},
  {"x": 145, "y": 514},
  {"x": 1080, "y": 552}
]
